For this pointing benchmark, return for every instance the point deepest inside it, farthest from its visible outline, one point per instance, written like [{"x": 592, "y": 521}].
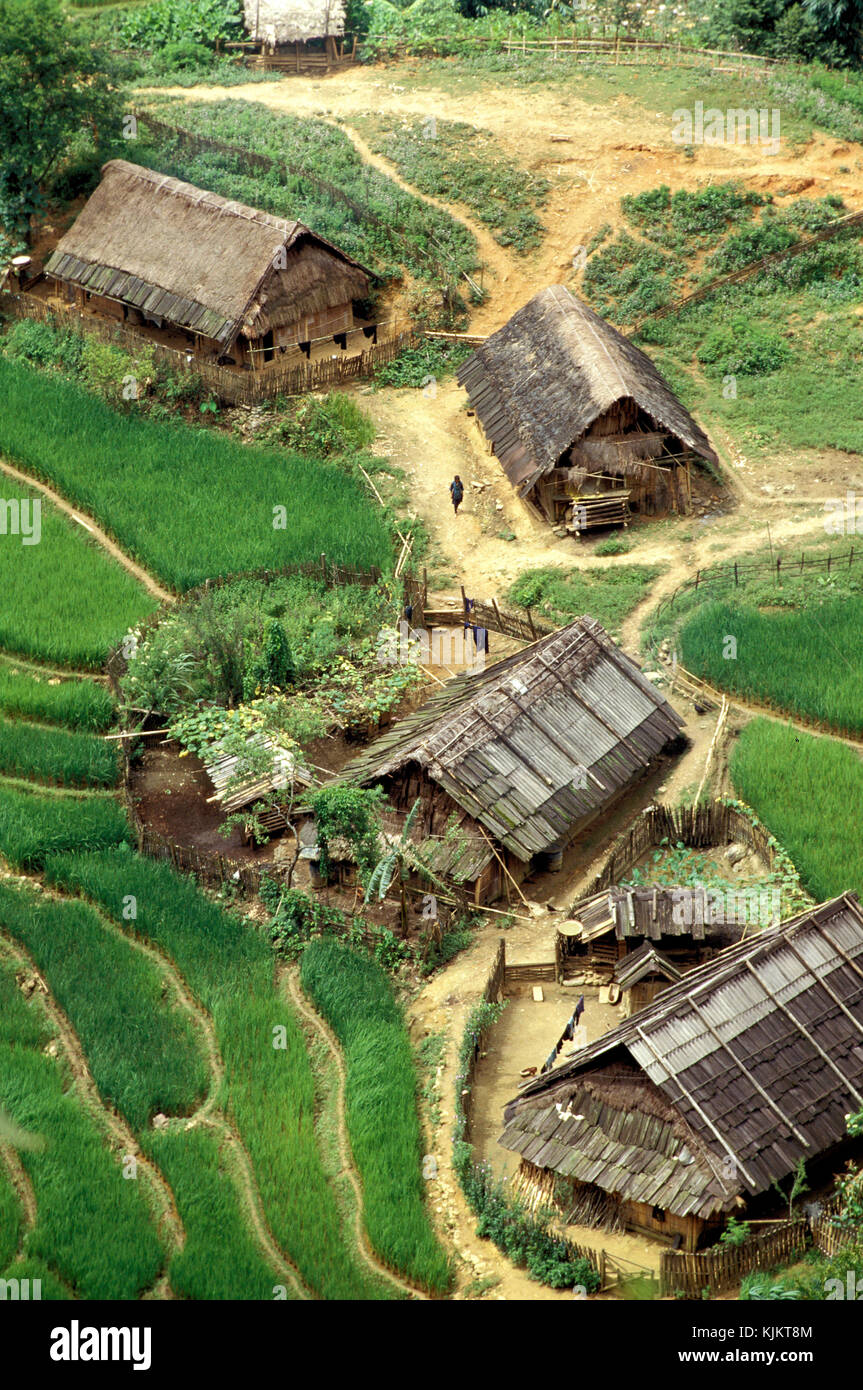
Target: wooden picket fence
[
  {"x": 781, "y": 565},
  {"x": 723, "y": 1267}
]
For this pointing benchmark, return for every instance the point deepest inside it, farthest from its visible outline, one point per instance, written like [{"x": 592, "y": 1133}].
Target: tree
[
  {"x": 839, "y": 22},
  {"x": 400, "y": 856},
  {"x": 50, "y": 89}
]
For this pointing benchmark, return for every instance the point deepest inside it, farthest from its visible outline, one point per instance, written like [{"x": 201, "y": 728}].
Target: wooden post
[
  {"x": 324, "y": 568},
  {"x": 530, "y": 620}
]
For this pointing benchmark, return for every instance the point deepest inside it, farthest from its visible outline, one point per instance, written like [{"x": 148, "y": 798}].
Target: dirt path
[
  {"x": 121, "y": 1140},
  {"x": 316, "y": 1024},
  {"x": 20, "y": 1180},
  {"x": 99, "y": 536},
  {"x": 64, "y": 673}
]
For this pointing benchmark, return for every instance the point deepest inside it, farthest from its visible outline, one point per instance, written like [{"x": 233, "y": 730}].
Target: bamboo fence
[
  {"x": 230, "y": 386},
  {"x": 615, "y": 49},
  {"x": 738, "y": 570},
  {"x": 724, "y": 1266},
  {"x": 698, "y": 827}
]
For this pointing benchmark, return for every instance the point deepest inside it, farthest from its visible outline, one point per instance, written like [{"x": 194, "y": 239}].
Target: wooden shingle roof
[
  {"x": 197, "y": 260},
  {"x": 542, "y": 380},
  {"x": 751, "y": 1062},
  {"x": 535, "y": 743},
  {"x": 654, "y": 912}
]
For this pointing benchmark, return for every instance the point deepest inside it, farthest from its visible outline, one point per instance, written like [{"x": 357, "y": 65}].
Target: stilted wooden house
[
  {"x": 686, "y": 925},
  {"x": 512, "y": 763},
  {"x": 229, "y": 282},
  {"x": 690, "y": 1110},
  {"x": 583, "y": 424},
  {"x": 298, "y": 35}
]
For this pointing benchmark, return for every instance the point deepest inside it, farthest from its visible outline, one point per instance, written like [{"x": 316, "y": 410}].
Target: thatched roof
[
  {"x": 536, "y": 743},
  {"x": 730, "y": 1077},
  {"x": 294, "y": 21},
  {"x": 541, "y": 381},
  {"x": 200, "y": 261}
]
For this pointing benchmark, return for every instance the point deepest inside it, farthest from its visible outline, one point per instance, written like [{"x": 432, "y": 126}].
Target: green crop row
[
  {"x": 355, "y": 996},
  {"x": 33, "y": 826},
  {"x": 93, "y": 1226},
  {"x": 269, "y": 1085},
  {"x": 64, "y": 599},
  {"x": 78, "y": 704},
  {"x": 806, "y": 789},
  {"x": 143, "y": 1054},
  {"x": 219, "y": 1259},
  {"x": 808, "y": 662},
  {"x": 60, "y": 757},
  {"x": 187, "y": 502}
]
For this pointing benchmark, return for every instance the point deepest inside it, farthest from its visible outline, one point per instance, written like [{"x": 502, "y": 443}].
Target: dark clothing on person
[
  {"x": 579, "y": 1009},
  {"x": 456, "y": 488}
]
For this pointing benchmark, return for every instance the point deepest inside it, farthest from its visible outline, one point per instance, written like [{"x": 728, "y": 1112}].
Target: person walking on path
[{"x": 456, "y": 488}]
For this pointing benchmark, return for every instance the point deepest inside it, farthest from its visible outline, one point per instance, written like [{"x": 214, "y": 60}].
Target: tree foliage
[{"x": 50, "y": 89}]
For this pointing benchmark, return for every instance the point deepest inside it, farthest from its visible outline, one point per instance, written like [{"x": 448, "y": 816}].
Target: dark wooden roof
[
  {"x": 536, "y": 743},
  {"x": 543, "y": 379},
  {"x": 656, "y": 912},
  {"x": 198, "y": 260},
  {"x": 721, "y": 1085},
  {"x": 641, "y": 964}
]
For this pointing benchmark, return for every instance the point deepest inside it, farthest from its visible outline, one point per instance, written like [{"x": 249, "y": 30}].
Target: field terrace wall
[{"x": 681, "y": 1116}]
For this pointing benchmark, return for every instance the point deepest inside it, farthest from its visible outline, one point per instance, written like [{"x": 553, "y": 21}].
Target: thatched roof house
[
  {"x": 234, "y": 280},
  {"x": 692, "y": 1108},
  {"x": 293, "y": 21},
  {"x": 578, "y": 415},
  {"x": 523, "y": 755}
]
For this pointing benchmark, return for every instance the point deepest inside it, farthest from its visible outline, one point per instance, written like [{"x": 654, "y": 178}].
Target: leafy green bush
[
  {"x": 743, "y": 349},
  {"x": 30, "y": 340},
  {"x": 332, "y": 426},
  {"x": 563, "y": 594}
]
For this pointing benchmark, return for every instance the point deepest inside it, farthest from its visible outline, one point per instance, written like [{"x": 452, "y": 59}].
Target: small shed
[
  {"x": 235, "y": 793},
  {"x": 235, "y": 284},
  {"x": 584, "y": 425},
  {"x": 299, "y": 34},
  {"x": 511, "y": 763},
  {"x": 695, "y": 1106},
  {"x": 687, "y": 924},
  {"x": 642, "y": 975}
]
